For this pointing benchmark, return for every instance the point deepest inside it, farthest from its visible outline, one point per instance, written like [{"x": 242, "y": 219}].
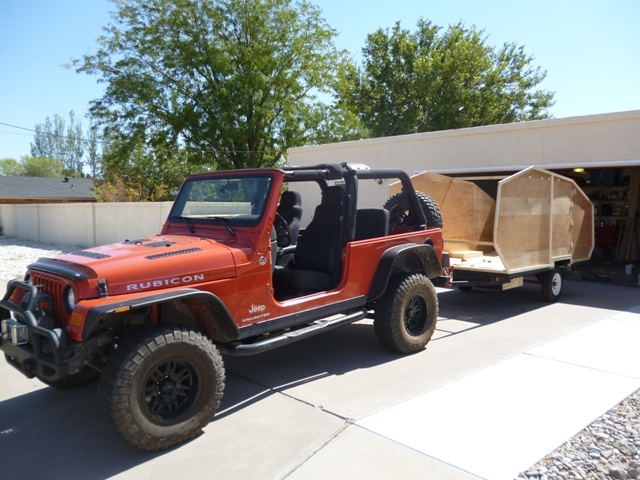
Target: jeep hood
[{"x": 152, "y": 263}]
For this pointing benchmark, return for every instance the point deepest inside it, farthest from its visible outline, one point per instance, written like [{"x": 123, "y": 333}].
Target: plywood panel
[
  {"x": 466, "y": 254},
  {"x": 461, "y": 245},
  {"x": 522, "y": 231},
  {"x": 561, "y": 242},
  {"x": 467, "y": 211}
]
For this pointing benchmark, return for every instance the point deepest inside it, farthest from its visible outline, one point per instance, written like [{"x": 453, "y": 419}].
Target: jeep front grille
[{"x": 54, "y": 287}]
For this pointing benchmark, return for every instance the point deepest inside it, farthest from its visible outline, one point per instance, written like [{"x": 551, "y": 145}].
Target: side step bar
[{"x": 243, "y": 349}]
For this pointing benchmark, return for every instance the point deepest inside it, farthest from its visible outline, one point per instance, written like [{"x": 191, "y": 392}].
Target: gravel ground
[
  {"x": 608, "y": 448},
  {"x": 16, "y": 254}
]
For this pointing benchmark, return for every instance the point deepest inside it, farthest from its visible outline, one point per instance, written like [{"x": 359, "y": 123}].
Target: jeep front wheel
[
  {"x": 163, "y": 388},
  {"x": 406, "y": 314}
]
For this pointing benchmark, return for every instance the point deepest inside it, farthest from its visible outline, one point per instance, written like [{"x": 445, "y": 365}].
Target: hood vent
[
  {"x": 173, "y": 254},
  {"x": 94, "y": 255},
  {"x": 139, "y": 241},
  {"x": 164, "y": 243}
]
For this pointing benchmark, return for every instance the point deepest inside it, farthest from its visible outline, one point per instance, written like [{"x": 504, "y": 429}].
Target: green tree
[
  {"x": 42, "y": 167},
  {"x": 431, "y": 80},
  {"x": 143, "y": 174},
  {"x": 224, "y": 83},
  {"x": 31, "y": 167},
  {"x": 55, "y": 139},
  {"x": 10, "y": 167},
  {"x": 93, "y": 143}
]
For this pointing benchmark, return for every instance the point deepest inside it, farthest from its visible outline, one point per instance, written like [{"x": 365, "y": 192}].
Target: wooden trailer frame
[{"x": 538, "y": 224}]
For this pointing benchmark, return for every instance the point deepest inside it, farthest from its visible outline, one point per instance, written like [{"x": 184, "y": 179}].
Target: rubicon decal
[{"x": 165, "y": 282}]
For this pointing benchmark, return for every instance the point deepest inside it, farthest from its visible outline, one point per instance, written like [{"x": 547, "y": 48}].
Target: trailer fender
[
  {"x": 209, "y": 313},
  {"x": 409, "y": 258}
]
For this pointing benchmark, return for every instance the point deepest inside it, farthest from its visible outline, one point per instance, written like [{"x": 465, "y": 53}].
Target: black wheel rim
[
  {"x": 415, "y": 315},
  {"x": 170, "y": 389},
  {"x": 401, "y": 215}
]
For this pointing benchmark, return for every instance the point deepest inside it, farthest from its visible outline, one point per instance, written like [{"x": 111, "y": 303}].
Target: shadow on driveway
[{"x": 57, "y": 434}]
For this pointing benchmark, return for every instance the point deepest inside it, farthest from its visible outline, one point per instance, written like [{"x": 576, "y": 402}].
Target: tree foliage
[
  {"x": 141, "y": 174},
  {"x": 10, "y": 167},
  {"x": 55, "y": 139},
  {"x": 220, "y": 83},
  {"x": 435, "y": 80},
  {"x": 31, "y": 167},
  {"x": 93, "y": 143}
]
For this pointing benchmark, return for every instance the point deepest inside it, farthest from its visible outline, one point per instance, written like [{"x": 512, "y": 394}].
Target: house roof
[{"x": 46, "y": 188}]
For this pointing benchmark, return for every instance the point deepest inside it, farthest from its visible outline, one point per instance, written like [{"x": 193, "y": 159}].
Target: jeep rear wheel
[
  {"x": 406, "y": 314},
  {"x": 163, "y": 388}
]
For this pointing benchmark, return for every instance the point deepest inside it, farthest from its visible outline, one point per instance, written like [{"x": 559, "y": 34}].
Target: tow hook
[{"x": 29, "y": 368}]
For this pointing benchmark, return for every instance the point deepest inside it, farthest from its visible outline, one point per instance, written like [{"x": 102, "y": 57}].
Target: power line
[
  {"x": 65, "y": 137},
  {"x": 37, "y": 107},
  {"x": 15, "y": 126},
  {"x": 15, "y": 133},
  {"x": 187, "y": 149},
  {"x": 31, "y": 99}
]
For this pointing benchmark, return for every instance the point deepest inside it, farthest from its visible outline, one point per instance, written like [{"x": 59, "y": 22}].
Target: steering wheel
[{"x": 283, "y": 232}]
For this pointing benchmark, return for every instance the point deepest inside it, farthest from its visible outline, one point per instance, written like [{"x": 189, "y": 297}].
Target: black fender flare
[
  {"x": 411, "y": 258},
  {"x": 225, "y": 329}
]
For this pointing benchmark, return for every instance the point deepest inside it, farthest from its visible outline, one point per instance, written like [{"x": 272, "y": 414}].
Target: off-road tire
[
  {"x": 406, "y": 314},
  {"x": 163, "y": 387},
  {"x": 84, "y": 377},
  {"x": 552, "y": 285},
  {"x": 400, "y": 210}
]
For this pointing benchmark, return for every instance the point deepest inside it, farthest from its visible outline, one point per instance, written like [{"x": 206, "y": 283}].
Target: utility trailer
[{"x": 532, "y": 224}]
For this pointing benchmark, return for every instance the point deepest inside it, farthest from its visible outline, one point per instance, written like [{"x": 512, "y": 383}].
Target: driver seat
[
  {"x": 290, "y": 208},
  {"x": 317, "y": 256}
]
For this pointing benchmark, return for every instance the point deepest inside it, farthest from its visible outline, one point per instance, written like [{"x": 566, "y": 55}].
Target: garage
[{"x": 601, "y": 153}]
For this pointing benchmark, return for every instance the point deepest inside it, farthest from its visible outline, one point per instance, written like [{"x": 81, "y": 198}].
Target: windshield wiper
[
  {"x": 188, "y": 223},
  {"x": 224, "y": 221}
]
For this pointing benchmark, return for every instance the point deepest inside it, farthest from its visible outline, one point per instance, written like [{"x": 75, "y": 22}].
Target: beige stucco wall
[
  {"x": 605, "y": 140},
  {"x": 83, "y": 224},
  {"x": 594, "y": 139}
]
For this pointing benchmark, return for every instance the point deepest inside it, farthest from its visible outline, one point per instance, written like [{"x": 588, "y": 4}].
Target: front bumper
[{"x": 34, "y": 350}]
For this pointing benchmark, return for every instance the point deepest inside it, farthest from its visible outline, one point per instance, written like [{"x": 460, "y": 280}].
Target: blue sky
[{"x": 589, "y": 48}]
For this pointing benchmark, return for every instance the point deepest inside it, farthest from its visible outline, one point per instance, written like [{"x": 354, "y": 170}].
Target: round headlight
[{"x": 69, "y": 298}]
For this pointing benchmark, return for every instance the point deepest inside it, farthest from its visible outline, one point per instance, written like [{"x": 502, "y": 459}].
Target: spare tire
[{"x": 400, "y": 210}]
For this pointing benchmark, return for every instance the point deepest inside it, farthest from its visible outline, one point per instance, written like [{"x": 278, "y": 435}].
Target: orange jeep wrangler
[{"x": 231, "y": 273}]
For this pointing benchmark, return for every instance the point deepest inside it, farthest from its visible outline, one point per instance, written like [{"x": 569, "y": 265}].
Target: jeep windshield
[{"x": 222, "y": 200}]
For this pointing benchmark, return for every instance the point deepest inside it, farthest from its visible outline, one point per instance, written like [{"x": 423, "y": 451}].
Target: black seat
[
  {"x": 290, "y": 208},
  {"x": 316, "y": 264},
  {"x": 371, "y": 223}
]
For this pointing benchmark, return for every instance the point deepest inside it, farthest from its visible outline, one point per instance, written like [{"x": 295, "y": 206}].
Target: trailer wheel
[
  {"x": 163, "y": 388},
  {"x": 552, "y": 285},
  {"x": 400, "y": 210},
  {"x": 406, "y": 314}
]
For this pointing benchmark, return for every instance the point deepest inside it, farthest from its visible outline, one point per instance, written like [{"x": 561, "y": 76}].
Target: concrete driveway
[{"x": 505, "y": 380}]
